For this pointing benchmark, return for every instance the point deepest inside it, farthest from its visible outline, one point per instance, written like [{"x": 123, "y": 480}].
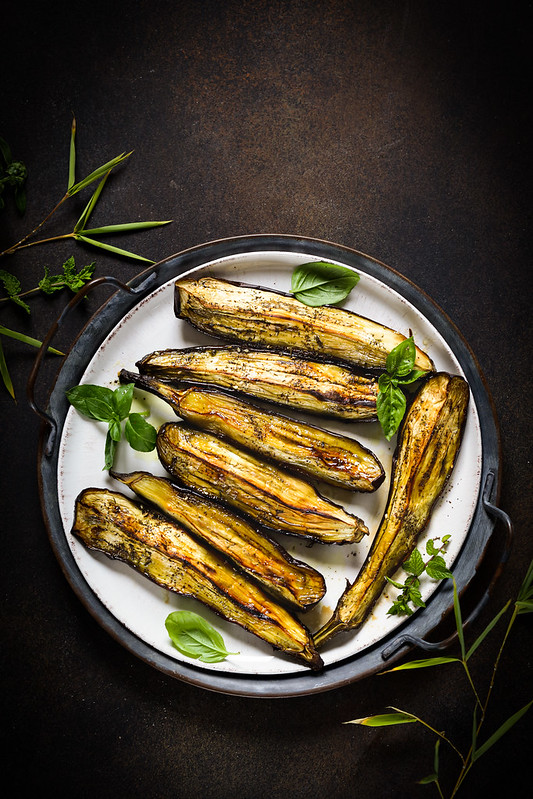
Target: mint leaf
[
  {"x": 194, "y": 637},
  {"x": 13, "y": 289},
  {"x": 68, "y": 279},
  {"x": 414, "y": 563},
  {"x": 320, "y": 283}
]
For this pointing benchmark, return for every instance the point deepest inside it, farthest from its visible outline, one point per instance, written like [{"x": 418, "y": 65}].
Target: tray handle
[
  {"x": 30, "y": 387},
  {"x": 406, "y": 640}
]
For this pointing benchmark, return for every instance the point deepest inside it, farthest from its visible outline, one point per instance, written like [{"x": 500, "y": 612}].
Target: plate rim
[{"x": 363, "y": 663}]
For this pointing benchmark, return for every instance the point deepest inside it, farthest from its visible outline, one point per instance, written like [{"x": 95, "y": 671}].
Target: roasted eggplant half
[
  {"x": 335, "y": 459},
  {"x": 428, "y": 444},
  {"x": 323, "y": 388},
  {"x": 273, "y": 497},
  {"x": 164, "y": 552},
  {"x": 289, "y": 580},
  {"x": 261, "y": 317}
]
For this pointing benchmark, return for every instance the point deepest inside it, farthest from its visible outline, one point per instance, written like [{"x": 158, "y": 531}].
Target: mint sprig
[
  {"x": 102, "y": 404},
  {"x": 415, "y": 566},
  {"x": 391, "y": 400}
]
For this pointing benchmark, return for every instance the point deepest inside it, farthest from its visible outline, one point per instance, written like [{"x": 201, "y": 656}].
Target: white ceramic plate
[{"x": 142, "y": 606}]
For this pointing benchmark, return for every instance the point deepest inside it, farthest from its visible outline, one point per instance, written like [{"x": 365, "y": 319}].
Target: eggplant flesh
[
  {"x": 260, "y": 316},
  {"x": 289, "y": 580},
  {"x": 164, "y": 552},
  {"x": 428, "y": 443},
  {"x": 273, "y": 497},
  {"x": 310, "y": 386},
  {"x": 317, "y": 453}
]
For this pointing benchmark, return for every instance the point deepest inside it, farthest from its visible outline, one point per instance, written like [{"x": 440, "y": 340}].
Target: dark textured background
[{"x": 401, "y": 129}]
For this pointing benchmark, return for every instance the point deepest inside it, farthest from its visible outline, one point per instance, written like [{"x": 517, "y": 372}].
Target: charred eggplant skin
[
  {"x": 312, "y": 451},
  {"x": 311, "y": 386},
  {"x": 255, "y": 554},
  {"x": 272, "y": 497},
  {"x": 428, "y": 444},
  {"x": 262, "y": 317},
  {"x": 164, "y": 552}
]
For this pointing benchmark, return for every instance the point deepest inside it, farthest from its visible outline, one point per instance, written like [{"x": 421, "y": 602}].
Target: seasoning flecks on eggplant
[
  {"x": 271, "y": 496},
  {"x": 164, "y": 552},
  {"x": 262, "y": 317}
]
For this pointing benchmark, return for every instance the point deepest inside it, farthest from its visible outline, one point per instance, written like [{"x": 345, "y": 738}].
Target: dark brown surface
[{"x": 399, "y": 129}]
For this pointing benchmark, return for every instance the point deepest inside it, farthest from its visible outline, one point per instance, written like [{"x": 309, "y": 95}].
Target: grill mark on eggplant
[{"x": 165, "y": 553}]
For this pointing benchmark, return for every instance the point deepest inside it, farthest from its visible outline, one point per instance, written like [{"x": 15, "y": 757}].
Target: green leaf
[
  {"x": 437, "y": 570},
  {"x": 109, "y": 452},
  {"x": 87, "y": 211},
  {"x": 486, "y": 631},
  {"x": 4, "y": 371},
  {"x": 524, "y": 603},
  {"x": 72, "y": 156},
  {"x": 384, "y": 720},
  {"x": 401, "y": 360},
  {"x": 414, "y": 563},
  {"x": 422, "y": 664},
  {"x": 415, "y": 375},
  {"x": 505, "y": 727},
  {"x": 458, "y": 619},
  {"x": 126, "y": 226},
  {"x": 97, "y": 174},
  {"x": 13, "y": 288},
  {"x": 95, "y": 402},
  {"x": 122, "y": 399},
  {"x": 109, "y": 247},
  {"x": 140, "y": 434},
  {"x": 390, "y": 406},
  {"x": 33, "y": 342},
  {"x": 5, "y": 151},
  {"x": 194, "y": 637},
  {"x": 321, "y": 283}
]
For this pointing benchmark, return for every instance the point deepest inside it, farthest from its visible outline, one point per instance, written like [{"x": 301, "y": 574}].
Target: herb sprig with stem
[
  {"x": 415, "y": 566},
  {"x": 523, "y": 604},
  {"x": 391, "y": 400}
]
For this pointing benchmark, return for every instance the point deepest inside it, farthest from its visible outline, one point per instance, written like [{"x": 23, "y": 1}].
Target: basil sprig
[
  {"x": 391, "y": 401},
  {"x": 194, "y": 637},
  {"x": 321, "y": 283},
  {"x": 114, "y": 407}
]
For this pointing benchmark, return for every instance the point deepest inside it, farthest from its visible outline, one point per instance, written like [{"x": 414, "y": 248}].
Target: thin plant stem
[
  {"x": 433, "y": 730},
  {"x": 22, "y": 242}
]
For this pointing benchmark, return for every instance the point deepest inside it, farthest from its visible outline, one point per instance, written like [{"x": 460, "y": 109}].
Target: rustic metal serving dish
[{"x": 139, "y": 318}]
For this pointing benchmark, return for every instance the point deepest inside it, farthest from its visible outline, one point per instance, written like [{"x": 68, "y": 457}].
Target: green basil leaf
[
  {"x": 110, "y": 450},
  {"x": 321, "y": 283},
  {"x": 390, "y": 406},
  {"x": 95, "y": 402},
  {"x": 139, "y": 433},
  {"x": 115, "y": 430},
  {"x": 194, "y": 637},
  {"x": 401, "y": 360},
  {"x": 122, "y": 399}
]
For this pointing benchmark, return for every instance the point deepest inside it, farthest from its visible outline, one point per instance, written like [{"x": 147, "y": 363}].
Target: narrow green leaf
[
  {"x": 33, "y": 342},
  {"x": 97, "y": 174},
  {"x": 422, "y": 664},
  {"x": 505, "y": 727},
  {"x": 486, "y": 631},
  {"x": 116, "y": 250},
  {"x": 458, "y": 619},
  {"x": 384, "y": 720},
  {"x": 87, "y": 211},
  {"x": 4, "y": 371},
  {"x": 110, "y": 451},
  {"x": 428, "y": 780},
  {"x": 126, "y": 226},
  {"x": 72, "y": 156}
]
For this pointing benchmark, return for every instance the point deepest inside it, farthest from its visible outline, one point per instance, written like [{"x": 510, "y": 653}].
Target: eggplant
[
  {"x": 315, "y": 452},
  {"x": 163, "y": 551},
  {"x": 428, "y": 443},
  {"x": 261, "y": 317},
  {"x": 316, "y": 387},
  {"x": 289, "y": 580},
  {"x": 271, "y": 496}
]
